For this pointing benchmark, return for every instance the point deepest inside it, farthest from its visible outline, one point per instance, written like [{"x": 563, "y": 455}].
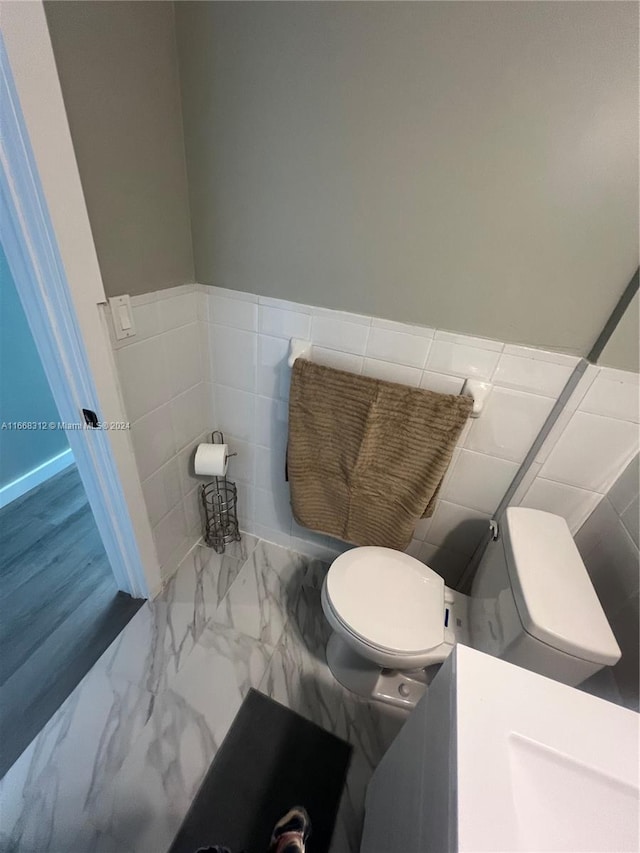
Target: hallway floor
[
  {"x": 117, "y": 767},
  {"x": 59, "y": 605}
]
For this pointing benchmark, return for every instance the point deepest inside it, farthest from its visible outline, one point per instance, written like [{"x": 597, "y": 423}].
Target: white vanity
[{"x": 498, "y": 758}]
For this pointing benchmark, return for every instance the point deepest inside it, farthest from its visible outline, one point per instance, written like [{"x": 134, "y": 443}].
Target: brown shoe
[{"x": 291, "y": 832}]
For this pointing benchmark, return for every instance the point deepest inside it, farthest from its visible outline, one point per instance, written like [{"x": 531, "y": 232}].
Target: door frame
[{"x": 51, "y": 254}]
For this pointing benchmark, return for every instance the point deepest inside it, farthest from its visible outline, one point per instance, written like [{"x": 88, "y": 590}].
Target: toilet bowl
[{"x": 531, "y": 602}]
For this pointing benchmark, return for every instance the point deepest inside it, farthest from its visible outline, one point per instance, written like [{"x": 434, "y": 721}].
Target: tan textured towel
[{"x": 366, "y": 457}]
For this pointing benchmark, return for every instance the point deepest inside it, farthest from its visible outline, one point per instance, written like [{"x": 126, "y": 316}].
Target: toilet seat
[{"x": 387, "y": 600}]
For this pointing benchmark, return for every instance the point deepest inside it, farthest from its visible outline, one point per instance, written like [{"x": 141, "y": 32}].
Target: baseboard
[{"x": 13, "y": 491}]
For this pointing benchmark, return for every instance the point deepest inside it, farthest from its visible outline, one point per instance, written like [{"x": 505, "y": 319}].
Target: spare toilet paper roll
[{"x": 211, "y": 459}]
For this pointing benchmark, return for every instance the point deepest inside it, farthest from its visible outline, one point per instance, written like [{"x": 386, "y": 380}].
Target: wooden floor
[{"x": 59, "y": 606}]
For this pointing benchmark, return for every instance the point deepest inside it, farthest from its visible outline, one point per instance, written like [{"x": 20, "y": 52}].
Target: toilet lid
[{"x": 389, "y": 599}]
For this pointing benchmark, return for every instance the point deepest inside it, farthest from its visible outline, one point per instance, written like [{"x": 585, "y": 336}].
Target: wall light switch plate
[{"x": 122, "y": 316}]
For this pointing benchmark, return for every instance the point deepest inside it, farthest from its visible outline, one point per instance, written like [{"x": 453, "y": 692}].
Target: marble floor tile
[
  {"x": 93, "y": 840},
  {"x": 241, "y": 550},
  {"x": 202, "y": 581},
  {"x": 370, "y": 727},
  {"x": 294, "y": 680},
  {"x": 117, "y": 768},
  {"x": 153, "y": 646},
  {"x": 298, "y": 675},
  {"x": 157, "y": 782},
  {"x": 258, "y": 600},
  {"x": 315, "y": 573},
  {"x": 47, "y": 795},
  {"x": 350, "y": 819},
  {"x": 289, "y": 566},
  {"x": 341, "y": 841},
  {"x": 307, "y": 624},
  {"x": 205, "y": 576},
  {"x": 247, "y": 659}
]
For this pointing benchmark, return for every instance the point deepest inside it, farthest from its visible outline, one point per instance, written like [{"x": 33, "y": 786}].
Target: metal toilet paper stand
[{"x": 220, "y": 502}]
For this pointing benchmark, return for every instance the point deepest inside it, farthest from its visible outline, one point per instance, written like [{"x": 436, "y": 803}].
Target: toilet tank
[{"x": 533, "y": 603}]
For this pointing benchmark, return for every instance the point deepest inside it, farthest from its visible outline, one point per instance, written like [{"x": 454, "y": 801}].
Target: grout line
[
  {"x": 575, "y": 404},
  {"x": 366, "y": 343},
  {"x": 311, "y": 310},
  {"x": 555, "y": 413},
  {"x": 185, "y": 289},
  {"x": 552, "y": 417},
  {"x": 130, "y": 343},
  {"x": 159, "y": 522},
  {"x": 168, "y": 403},
  {"x": 459, "y": 506},
  {"x": 568, "y": 485},
  {"x": 256, "y": 392},
  {"x": 162, "y": 293},
  {"x": 426, "y": 359},
  {"x": 618, "y": 418},
  {"x": 497, "y": 365}
]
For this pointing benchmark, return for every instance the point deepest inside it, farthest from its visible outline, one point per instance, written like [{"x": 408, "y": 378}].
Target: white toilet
[{"x": 532, "y": 603}]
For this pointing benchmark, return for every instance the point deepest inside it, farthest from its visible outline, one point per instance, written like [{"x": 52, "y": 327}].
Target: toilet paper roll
[{"x": 211, "y": 460}]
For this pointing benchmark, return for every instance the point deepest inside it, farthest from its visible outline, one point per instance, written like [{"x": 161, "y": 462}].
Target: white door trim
[{"x": 50, "y": 250}]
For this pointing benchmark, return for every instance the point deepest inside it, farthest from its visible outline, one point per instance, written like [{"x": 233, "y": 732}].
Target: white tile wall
[
  {"x": 510, "y": 422},
  {"x": 284, "y": 324},
  {"x": 234, "y": 355},
  {"x": 441, "y": 383},
  {"x": 182, "y": 358},
  {"x": 339, "y": 360},
  {"x": 457, "y": 359},
  {"x": 591, "y": 452},
  {"x": 143, "y": 376},
  {"x": 249, "y": 346},
  {"x": 590, "y": 445},
  {"x": 457, "y": 528},
  {"x": 238, "y": 313},
  {"x": 608, "y": 544},
  {"x": 399, "y": 347},
  {"x": 533, "y": 370},
  {"x": 479, "y": 481},
  {"x": 164, "y": 377},
  {"x": 205, "y": 357},
  {"x": 571, "y": 503},
  {"x": 392, "y": 372},
  {"x": 340, "y": 333},
  {"x": 613, "y": 394}
]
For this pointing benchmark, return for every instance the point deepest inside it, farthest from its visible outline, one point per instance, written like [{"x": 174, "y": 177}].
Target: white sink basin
[
  {"x": 542, "y": 766},
  {"x": 562, "y": 804},
  {"x": 497, "y": 759}
]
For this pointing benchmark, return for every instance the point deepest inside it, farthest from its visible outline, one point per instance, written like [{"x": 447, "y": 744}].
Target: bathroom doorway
[
  {"x": 59, "y": 600},
  {"x": 75, "y": 562}
]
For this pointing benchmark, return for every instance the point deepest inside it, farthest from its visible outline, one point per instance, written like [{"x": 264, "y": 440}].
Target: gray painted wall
[
  {"x": 622, "y": 349},
  {"x": 118, "y": 71},
  {"x": 608, "y": 543},
  {"x": 471, "y": 166}
]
